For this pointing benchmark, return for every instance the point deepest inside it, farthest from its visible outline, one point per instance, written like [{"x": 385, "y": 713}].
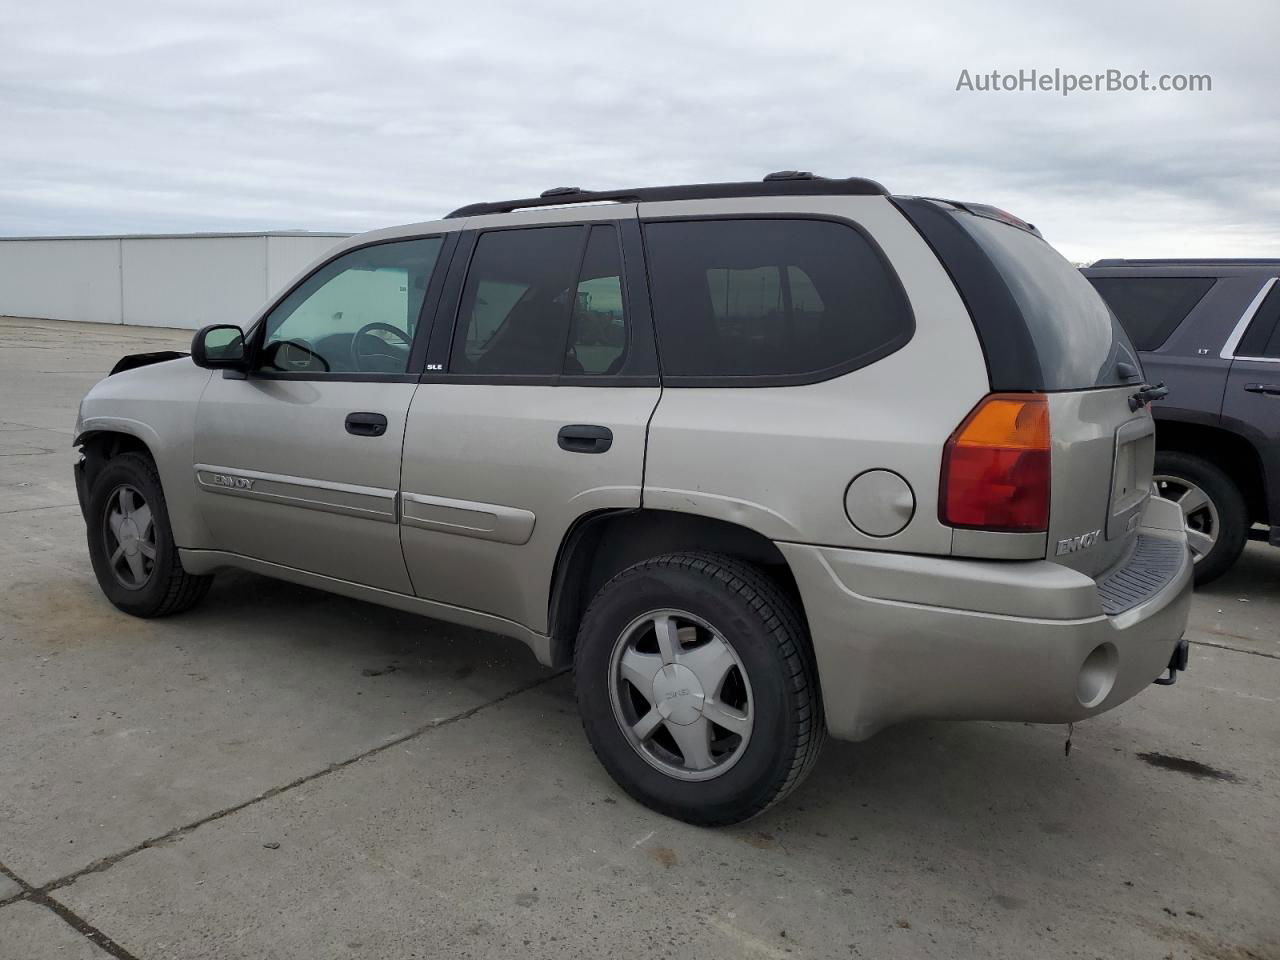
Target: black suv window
[
  {"x": 356, "y": 314},
  {"x": 1262, "y": 339},
  {"x": 536, "y": 303},
  {"x": 514, "y": 317},
  {"x": 774, "y": 300},
  {"x": 1078, "y": 342},
  {"x": 1150, "y": 308}
]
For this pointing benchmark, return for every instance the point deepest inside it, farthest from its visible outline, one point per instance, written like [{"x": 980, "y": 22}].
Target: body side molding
[
  {"x": 467, "y": 518},
  {"x": 348, "y": 499}
]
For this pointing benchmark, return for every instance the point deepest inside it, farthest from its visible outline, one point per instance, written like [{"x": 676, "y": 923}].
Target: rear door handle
[
  {"x": 1273, "y": 389},
  {"x": 585, "y": 438},
  {"x": 366, "y": 424}
]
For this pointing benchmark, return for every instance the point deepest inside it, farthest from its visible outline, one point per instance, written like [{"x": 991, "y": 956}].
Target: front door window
[{"x": 356, "y": 314}]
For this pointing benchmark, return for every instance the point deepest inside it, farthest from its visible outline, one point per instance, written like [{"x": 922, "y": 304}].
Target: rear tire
[
  {"x": 131, "y": 543},
  {"x": 736, "y": 653},
  {"x": 1214, "y": 510}
]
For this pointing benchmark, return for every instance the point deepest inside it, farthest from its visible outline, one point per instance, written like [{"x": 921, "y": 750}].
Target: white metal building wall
[{"x": 185, "y": 280}]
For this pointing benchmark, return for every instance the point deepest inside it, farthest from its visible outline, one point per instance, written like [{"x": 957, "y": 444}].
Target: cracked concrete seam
[
  {"x": 105, "y": 863},
  {"x": 41, "y": 895}
]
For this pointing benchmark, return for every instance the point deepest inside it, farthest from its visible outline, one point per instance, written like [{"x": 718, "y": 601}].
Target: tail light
[{"x": 995, "y": 467}]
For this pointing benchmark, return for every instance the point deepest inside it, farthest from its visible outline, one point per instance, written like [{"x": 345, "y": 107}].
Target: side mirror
[{"x": 219, "y": 347}]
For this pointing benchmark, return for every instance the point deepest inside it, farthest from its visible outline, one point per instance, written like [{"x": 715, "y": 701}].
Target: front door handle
[
  {"x": 1272, "y": 389},
  {"x": 366, "y": 424},
  {"x": 585, "y": 438}
]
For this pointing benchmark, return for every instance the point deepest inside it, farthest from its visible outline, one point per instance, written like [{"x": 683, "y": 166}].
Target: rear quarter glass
[
  {"x": 1151, "y": 308},
  {"x": 1077, "y": 339}
]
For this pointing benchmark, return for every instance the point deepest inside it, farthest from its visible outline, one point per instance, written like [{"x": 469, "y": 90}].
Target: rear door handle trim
[
  {"x": 584, "y": 438},
  {"x": 1272, "y": 389},
  {"x": 366, "y": 424}
]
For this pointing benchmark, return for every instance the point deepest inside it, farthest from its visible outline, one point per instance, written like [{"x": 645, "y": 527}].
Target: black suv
[{"x": 1209, "y": 330}]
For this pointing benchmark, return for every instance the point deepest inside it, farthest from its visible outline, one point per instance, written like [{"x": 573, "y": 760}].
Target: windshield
[{"x": 1077, "y": 338}]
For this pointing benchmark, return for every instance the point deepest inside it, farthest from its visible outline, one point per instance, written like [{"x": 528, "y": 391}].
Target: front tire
[
  {"x": 131, "y": 543},
  {"x": 1213, "y": 510},
  {"x": 697, "y": 688}
]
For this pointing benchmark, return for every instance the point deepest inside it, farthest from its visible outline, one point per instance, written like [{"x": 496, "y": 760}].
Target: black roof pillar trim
[{"x": 1012, "y": 360}]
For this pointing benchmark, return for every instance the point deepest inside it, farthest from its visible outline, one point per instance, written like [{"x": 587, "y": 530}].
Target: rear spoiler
[
  {"x": 988, "y": 211},
  {"x": 135, "y": 360}
]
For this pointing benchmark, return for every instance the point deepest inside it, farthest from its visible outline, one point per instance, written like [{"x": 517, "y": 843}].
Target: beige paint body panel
[
  {"x": 1085, "y": 426},
  {"x": 492, "y": 448},
  {"x": 904, "y": 637},
  {"x": 208, "y": 561},
  {"x": 157, "y": 404},
  {"x": 779, "y": 459},
  {"x": 322, "y": 500}
]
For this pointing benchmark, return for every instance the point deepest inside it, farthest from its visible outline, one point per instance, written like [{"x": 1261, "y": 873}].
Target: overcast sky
[{"x": 186, "y": 116}]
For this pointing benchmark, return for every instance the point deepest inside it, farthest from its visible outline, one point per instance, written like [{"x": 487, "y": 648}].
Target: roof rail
[{"x": 786, "y": 183}]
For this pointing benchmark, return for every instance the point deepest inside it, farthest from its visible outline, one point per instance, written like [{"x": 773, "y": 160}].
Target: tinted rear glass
[
  {"x": 1078, "y": 341},
  {"x": 775, "y": 300},
  {"x": 516, "y": 302},
  {"x": 1150, "y": 308}
]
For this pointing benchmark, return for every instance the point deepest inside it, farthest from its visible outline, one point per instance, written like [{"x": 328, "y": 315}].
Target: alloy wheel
[
  {"x": 129, "y": 532},
  {"x": 1199, "y": 513},
  {"x": 681, "y": 695}
]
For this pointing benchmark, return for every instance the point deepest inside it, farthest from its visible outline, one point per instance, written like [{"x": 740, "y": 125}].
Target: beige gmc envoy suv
[{"x": 762, "y": 461}]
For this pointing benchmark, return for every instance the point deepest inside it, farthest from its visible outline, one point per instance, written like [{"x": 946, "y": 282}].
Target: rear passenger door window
[
  {"x": 768, "y": 301},
  {"x": 514, "y": 316},
  {"x": 543, "y": 302}
]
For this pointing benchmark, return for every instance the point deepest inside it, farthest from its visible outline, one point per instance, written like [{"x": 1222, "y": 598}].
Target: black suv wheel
[
  {"x": 130, "y": 542},
  {"x": 1213, "y": 510},
  {"x": 697, "y": 688}
]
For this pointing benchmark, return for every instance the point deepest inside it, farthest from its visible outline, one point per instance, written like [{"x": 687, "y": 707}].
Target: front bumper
[{"x": 901, "y": 637}]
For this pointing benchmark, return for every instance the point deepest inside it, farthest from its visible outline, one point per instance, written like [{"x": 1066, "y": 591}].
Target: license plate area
[{"x": 1131, "y": 476}]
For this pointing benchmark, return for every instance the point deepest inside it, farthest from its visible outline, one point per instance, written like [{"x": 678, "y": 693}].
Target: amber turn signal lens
[{"x": 996, "y": 466}]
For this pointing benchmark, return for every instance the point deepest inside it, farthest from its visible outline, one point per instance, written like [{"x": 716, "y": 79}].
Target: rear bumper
[{"x": 901, "y": 637}]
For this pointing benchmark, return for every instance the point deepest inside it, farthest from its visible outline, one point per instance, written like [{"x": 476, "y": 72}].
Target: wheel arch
[
  {"x": 602, "y": 544},
  {"x": 100, "y": 445},
  {"x": 108, "y": 443},
  {"x": 100, "y": 439},
  {"x": 1234, "y": 453}
]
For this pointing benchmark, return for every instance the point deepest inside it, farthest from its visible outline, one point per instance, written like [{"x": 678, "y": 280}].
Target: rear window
[
  {"x": 771, "y": 301},
  {"x": 1078, "y": 341},
  {"x": 1150, "y": 308}
]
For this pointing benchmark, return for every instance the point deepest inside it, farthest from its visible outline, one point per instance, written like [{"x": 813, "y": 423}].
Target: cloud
[{"x": 325, "y": 115}]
